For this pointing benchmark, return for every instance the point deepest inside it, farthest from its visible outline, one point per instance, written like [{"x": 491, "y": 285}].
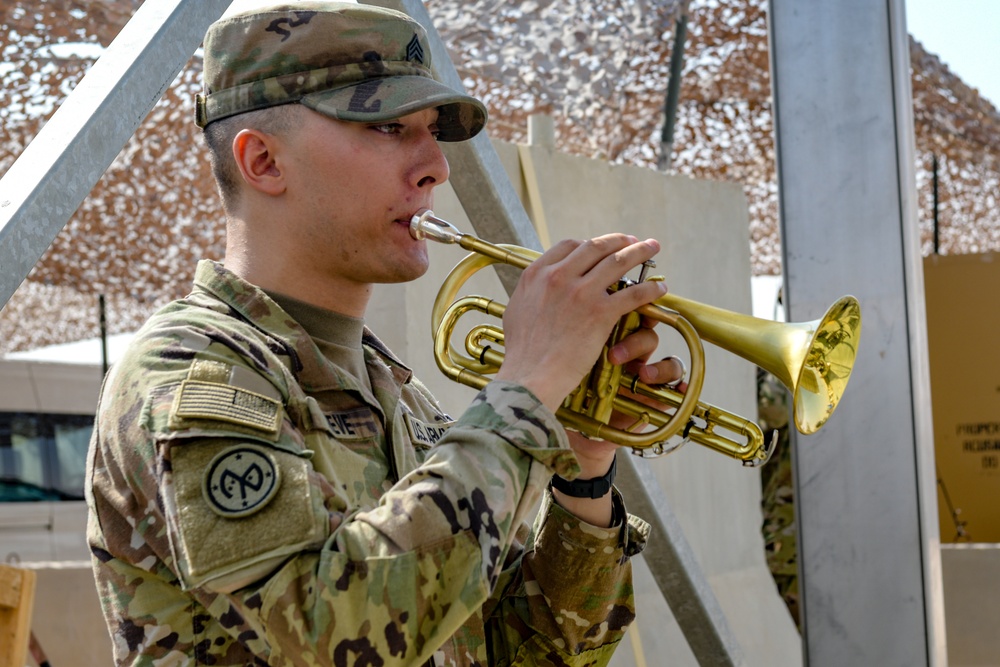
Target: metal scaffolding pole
[
  {"x": 55, "y": 173},
  {"x": 865, "y": 494}
]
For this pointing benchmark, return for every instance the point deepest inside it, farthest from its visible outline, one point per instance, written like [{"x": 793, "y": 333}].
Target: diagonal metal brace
[
  {"x": 676, "y": 571},
  {"x": 55, "y": 173}
]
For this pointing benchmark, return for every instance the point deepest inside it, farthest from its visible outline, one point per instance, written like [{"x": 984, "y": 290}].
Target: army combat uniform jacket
[{"x": 249, "y": 506}]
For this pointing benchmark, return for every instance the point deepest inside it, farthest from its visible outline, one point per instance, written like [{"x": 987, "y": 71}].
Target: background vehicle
[{"x": 46, "y": 418}]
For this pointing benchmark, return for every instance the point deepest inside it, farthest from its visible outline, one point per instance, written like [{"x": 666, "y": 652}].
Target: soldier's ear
[{"x": 256, "y": 153}]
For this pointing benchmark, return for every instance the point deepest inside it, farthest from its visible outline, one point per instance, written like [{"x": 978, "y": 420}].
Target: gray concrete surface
[{"x": 971, "y": 574}]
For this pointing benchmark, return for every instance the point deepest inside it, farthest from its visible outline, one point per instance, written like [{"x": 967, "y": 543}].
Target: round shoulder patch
[{"x": 241, "y": 480}]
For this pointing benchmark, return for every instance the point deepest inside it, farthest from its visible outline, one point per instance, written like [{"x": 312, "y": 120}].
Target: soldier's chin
[{"x": 408, "y": 273}]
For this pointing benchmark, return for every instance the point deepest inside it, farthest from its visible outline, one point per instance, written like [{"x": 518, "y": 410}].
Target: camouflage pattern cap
[{"x": 348, "y": 61}]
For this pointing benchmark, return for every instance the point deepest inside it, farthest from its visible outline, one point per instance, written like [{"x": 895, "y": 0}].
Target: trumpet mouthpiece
[{"x": 425, "y": 225}]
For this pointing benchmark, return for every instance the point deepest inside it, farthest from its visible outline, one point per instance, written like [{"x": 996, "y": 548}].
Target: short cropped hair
[{"x": 219, "y": 136}]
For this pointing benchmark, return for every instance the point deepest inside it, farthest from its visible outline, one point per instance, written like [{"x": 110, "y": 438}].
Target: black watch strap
[{"x": 587, "y": 488}]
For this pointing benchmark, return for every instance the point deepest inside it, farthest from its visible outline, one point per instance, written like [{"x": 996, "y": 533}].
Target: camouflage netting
[
  {"x": 599, "y": 67},
  {"x": 603, "y": 74},
  {"x": 154, "y": 210},
  {"x": 962, "y": 129}
]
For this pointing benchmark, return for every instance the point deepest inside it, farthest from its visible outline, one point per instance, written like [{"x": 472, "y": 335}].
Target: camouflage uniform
[
  {"x": 248, "y": 506},
  {"x": 778, "y": 493}
]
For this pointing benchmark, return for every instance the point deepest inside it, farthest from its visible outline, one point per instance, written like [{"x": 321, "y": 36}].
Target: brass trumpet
[{"x": 812, "y": 359}]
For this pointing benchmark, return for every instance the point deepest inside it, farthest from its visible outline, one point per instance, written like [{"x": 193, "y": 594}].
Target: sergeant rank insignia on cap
[{"x": 414, "y": 51}]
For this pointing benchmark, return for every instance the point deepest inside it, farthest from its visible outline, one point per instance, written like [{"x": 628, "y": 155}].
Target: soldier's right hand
[{"x": 561, "y": 314}]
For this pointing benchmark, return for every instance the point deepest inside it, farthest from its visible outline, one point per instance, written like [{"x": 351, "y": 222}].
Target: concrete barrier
[
  {"x": 971, "y": 574},
  {"x": 67, "y": 619}
]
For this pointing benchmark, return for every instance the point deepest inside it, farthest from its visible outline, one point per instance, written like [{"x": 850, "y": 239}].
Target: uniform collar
[{"x": 308, "y": 364}]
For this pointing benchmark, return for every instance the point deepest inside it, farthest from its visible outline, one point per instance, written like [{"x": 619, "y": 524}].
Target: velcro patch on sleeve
[
  {"x": 237, "y": 507},
  {"x": 211, "y": 400}
]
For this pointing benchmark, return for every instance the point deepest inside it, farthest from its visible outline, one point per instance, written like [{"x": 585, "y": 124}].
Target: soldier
[
  {"x": 778, "y": 492},
  {"x": 267, "y": 483}
]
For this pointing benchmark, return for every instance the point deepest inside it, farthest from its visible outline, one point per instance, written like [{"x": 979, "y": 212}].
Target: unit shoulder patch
[{"x": 241, "y": 480}]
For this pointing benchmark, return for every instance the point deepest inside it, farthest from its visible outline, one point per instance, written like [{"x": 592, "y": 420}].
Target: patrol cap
[{"x": 347, "y": 61}]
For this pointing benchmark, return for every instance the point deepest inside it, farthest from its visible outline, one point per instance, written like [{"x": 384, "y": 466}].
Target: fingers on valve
[{"x": 680, "y": 371}]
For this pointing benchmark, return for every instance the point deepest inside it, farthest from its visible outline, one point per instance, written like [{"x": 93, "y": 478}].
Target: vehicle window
[
  {"x": 22, "y": 459},
  {"x": 72, "y": 436},
  {"x": 42, "y": 456}
]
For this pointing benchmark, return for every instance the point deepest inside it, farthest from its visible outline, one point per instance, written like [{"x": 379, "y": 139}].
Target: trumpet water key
[{"x": 812, "y": 359}]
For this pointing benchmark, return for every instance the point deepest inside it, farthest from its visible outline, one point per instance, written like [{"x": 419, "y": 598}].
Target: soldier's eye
[{"x": 387, "y": 128}]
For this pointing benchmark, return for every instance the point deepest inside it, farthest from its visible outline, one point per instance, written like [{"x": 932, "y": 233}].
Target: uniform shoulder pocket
[
  {"x": 235, "y": 505},
  {"x": 239, "y": 488}
]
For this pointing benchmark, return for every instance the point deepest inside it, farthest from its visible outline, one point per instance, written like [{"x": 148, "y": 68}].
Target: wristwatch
[{"x": 587, "y": 488}]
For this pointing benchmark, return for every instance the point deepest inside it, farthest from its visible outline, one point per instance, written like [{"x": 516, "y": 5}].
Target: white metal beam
[
  {"x": 58, "y": 169},
  {"x": 869, "y": 559}
]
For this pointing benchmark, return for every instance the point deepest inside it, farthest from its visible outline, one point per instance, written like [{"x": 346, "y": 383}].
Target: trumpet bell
[
  {"x": 812, "y": 359},
  {"x": 827, "y": 364}
]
